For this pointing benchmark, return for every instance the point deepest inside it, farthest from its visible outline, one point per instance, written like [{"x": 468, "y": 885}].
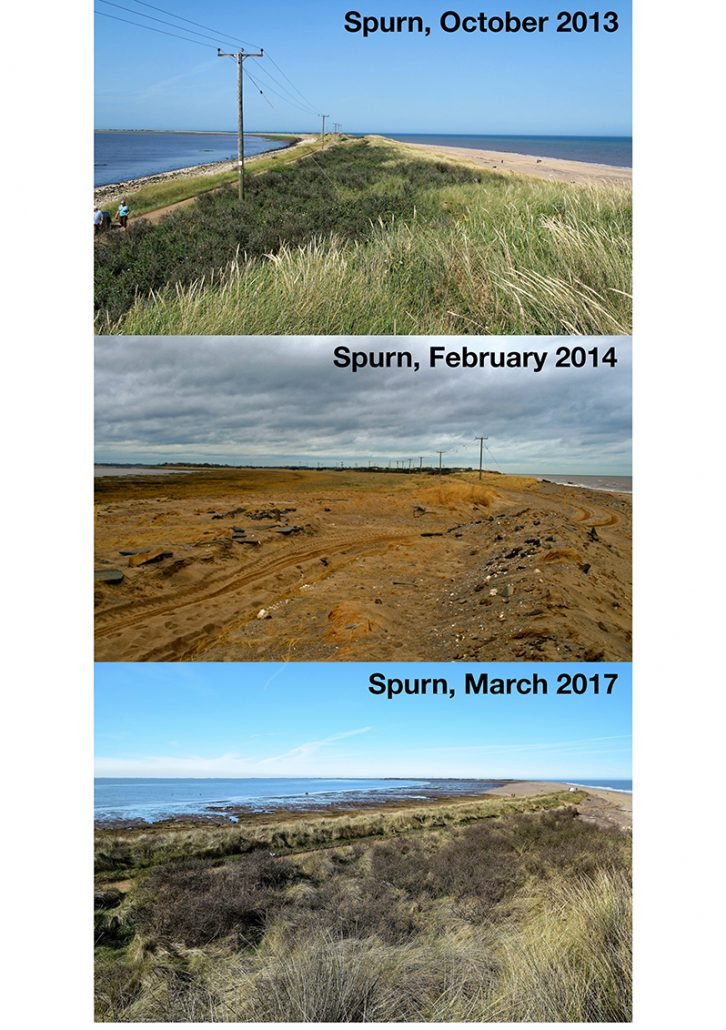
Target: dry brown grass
[{"x": 520, "y": 917}]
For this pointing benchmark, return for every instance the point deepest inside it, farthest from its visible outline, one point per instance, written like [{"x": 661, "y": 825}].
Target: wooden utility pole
[
  {"x": 240, "y": 57},
  {"x": 322, "y": 136},
  {"x": 481, "y": 440}
]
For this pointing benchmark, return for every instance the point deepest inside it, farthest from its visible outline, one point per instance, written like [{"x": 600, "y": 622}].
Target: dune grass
[
  {"x": 121, "y": 851},
  {"x": 524, "y": 916},
  {"x": 369, "y": 239}
]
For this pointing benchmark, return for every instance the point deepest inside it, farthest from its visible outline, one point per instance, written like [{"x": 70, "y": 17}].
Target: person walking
[
  {"x": 97, "y": 221},
  {"x": 123, "y": 214}
]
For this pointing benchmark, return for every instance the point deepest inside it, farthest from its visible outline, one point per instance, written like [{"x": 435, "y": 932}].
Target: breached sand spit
[{"x": 305, "y": 565}]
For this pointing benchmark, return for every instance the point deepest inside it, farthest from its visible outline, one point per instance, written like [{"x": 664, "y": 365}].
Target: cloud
[
  {"x": 312, "y": 747},
  {"x": 280, "y": 400},
  {"x": 290, "y": 763}
]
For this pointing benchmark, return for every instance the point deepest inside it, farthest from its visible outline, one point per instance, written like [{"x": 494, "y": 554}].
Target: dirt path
[
  {"x": 314, "y": 567},
  {"x": 108, "y": 196}
]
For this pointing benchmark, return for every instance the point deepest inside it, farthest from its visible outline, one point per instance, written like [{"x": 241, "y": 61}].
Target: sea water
[
  {"x": 149, "y": 800},
  {"x": 621, "y": 786},
  {"x": 602, "y": 150},
  {"x": 119, "y": 156},
  {"x": 614, "y": 484},
  {"x": 127, "y": 800}
]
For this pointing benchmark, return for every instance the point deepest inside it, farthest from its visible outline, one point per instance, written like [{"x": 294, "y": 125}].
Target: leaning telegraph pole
[
  {"x": 481, "y": 440},
  {"x": 322, "y": 135},
  {"x": 240, "y": 57}
]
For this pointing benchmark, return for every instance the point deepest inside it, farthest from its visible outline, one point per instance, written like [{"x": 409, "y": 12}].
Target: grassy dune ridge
[
  {"x": 367, "y": 238},
  {"x": 521, "y": 916},
  {"x": 123, "y": 850}
]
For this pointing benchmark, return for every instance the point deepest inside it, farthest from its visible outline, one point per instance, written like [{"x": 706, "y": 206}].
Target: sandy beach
[
  {"x": 605, "y": 808},
  {"x": 305, "y": 565},
  {"x": 526, "y": 164}
]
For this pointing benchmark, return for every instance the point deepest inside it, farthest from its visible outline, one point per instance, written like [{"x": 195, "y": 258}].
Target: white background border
[{"x": 47, "y": 454}]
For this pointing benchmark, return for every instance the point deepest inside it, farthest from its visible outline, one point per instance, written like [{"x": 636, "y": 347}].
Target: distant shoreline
[
  {"x": 513, "y": 163},
  {"x": 112, "y": 189},
  {"x": 200, "y": 132},
  {"x": 237, "y": 814}
]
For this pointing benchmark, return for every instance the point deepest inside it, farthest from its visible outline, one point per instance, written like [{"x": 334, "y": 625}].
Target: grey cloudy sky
[{"x": 280, "y": 400}]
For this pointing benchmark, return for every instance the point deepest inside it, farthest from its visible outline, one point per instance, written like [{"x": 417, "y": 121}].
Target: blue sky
[
  {"x": 320, "y": 720},
  {"x": 550, "y": 83}
]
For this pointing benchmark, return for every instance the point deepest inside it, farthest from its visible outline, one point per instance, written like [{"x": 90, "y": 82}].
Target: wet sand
[
  {"x": 610, "y": 809},
  {"x": 526, "y": 164},
  {"x": 304, "y": 565}
]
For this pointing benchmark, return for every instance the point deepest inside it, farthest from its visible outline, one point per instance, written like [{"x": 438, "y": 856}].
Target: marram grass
[{"x": 488, "y": 256}]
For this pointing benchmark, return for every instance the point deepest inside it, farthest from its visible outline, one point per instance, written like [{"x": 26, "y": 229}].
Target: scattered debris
[
  {"x": 148, "y": 558},
  {"x": 230, "y": 514},
  {"x": 112, "y": 576}
]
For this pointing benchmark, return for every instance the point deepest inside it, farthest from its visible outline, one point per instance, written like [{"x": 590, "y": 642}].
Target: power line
[
  {"x": 289, "y": 80},
  {"x": 150, "y": 28},
  {"x": 291, "y": 100},
  {"x": 217, "y": 38},
  {"x": 236, "y": 39},
  {"x": 285, "y": 100},
  {"x": 257, "y": 86},
  {"x": 161, "y": 21},
  {"x": 199, "y": 25}
]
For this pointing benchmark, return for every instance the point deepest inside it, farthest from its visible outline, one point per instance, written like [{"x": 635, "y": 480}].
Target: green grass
[{"x": 367, "y": 239}]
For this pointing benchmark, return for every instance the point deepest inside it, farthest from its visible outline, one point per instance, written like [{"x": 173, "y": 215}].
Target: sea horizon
[
  {"x": 127, "y": 799},
  {"x": 122, "y": 155},
  {"x": 607, "y": 150}
]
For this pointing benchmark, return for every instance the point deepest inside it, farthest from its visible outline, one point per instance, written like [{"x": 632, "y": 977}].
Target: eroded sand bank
[{"x": 271, "y": 565}]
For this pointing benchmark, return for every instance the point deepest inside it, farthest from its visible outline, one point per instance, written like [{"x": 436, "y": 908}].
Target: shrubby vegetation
[
  {"x": 341, "y": 191},
  {"x": 367, "y": 239},
  {"x": 521, "y": 917}
]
